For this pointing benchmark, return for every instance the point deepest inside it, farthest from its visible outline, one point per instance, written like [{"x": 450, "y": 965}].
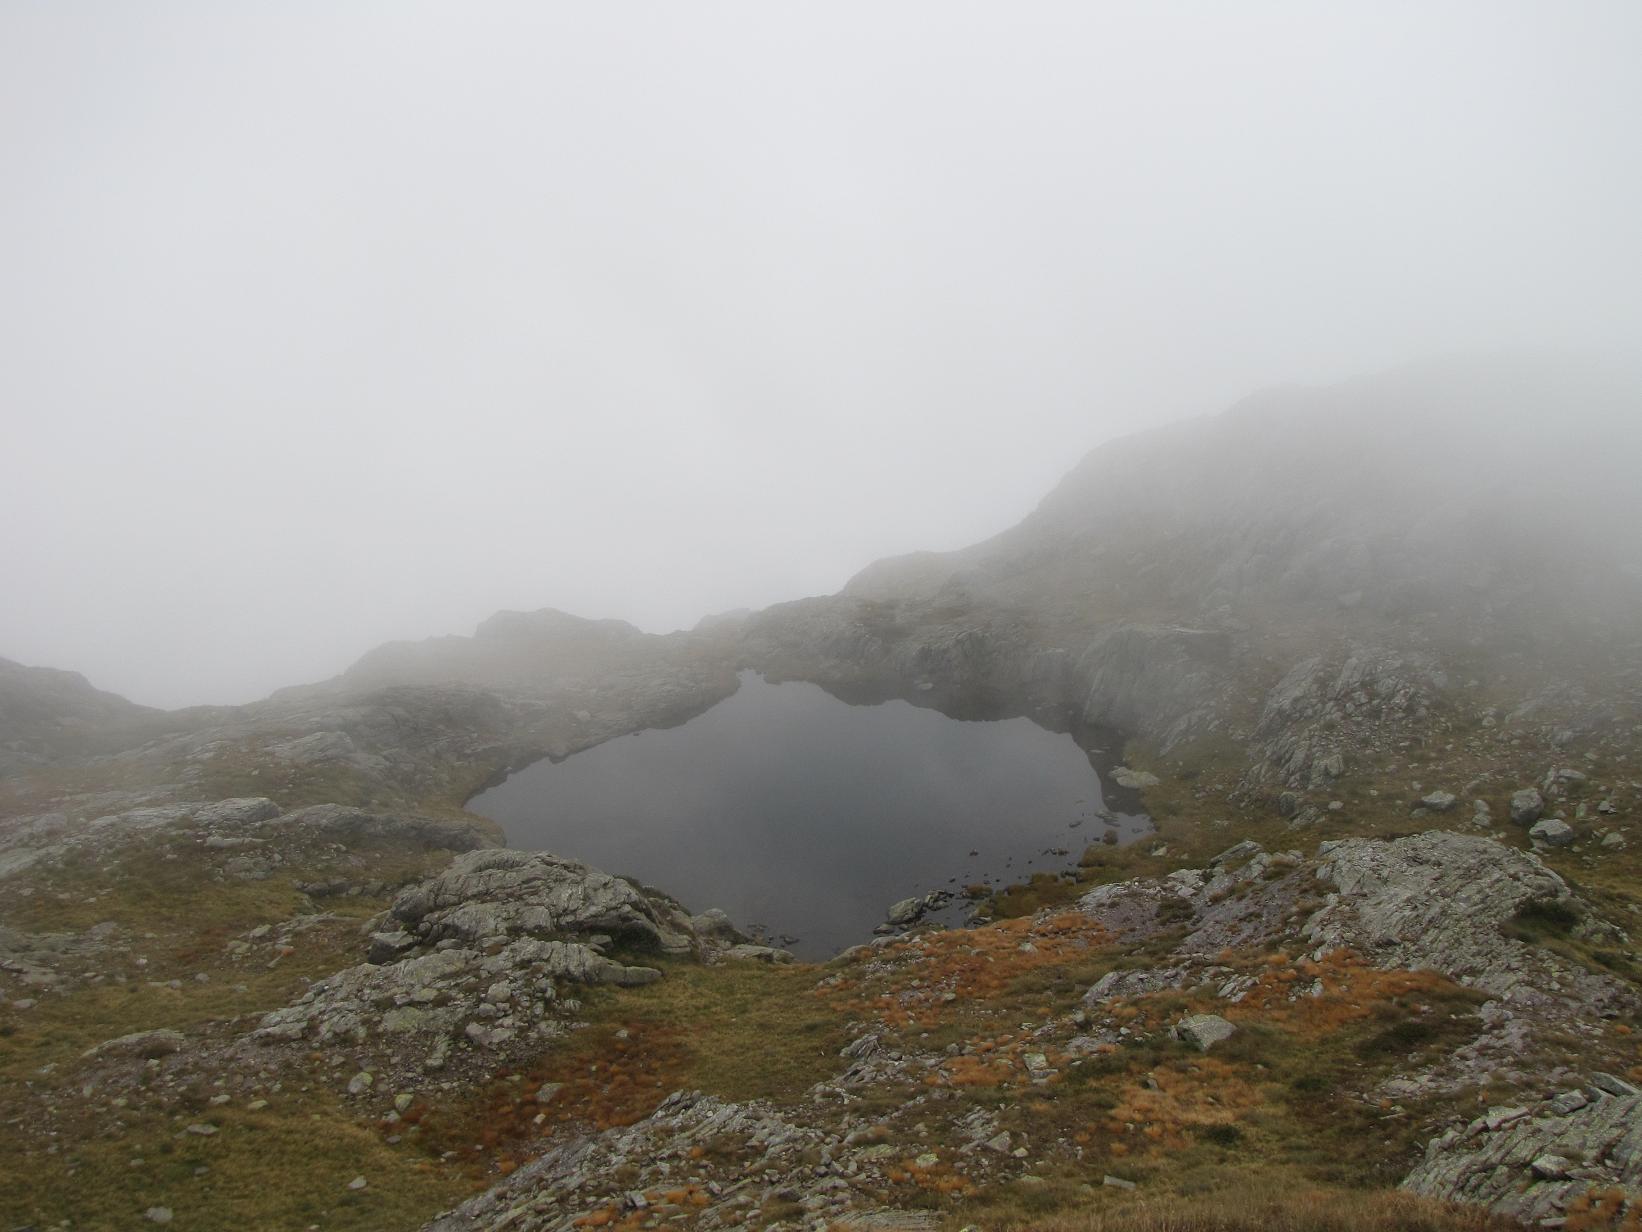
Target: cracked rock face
[
  {"x": 1440, "y": 901},
  {"x": 1531, "y": 1163}
]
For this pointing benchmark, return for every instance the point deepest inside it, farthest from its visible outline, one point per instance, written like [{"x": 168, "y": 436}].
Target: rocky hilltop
[{"x": 1373, "y": 656}]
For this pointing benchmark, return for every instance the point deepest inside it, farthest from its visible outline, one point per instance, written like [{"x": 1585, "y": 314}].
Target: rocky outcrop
[
  {"x": 472, "y": 964},
  {"x": 1330, "y": 711},
  {"x": 560, "y": 1190},
  {"x": 244, "y": 837},
  {"x": 341, "y": 824},
  {"x": 1439, "y": 901},
  {"x": 1534, "y": 1163},
  {"x": 1435, "y": 901},
  {"x": 491, "y": 895},
  {"x": 706, "y": 1161}
]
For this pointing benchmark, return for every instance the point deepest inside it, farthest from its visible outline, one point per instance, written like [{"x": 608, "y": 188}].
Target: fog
[{"x": 329, "y": 324}]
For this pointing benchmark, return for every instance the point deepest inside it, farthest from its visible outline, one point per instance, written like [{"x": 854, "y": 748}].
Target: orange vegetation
[
  {"x": 1605, "y": 1210},
  {"x": 611, "y": 1078},
  {"x": 965, "y": 965},
  {"x": 1173, "y": 1101}
]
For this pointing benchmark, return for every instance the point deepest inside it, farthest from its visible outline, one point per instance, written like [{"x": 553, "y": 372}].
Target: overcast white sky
[{"x": 323, "y": 324}]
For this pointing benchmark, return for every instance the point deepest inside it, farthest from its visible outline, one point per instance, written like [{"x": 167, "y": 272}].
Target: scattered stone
[
  {"x": 158, "y": 1214},
  {"x": 1439, "y": 801},
  {"x": 1116, "y": 1182}
]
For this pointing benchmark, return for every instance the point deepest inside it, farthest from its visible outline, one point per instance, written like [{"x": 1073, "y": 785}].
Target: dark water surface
[{"x": 807, "y": 817}]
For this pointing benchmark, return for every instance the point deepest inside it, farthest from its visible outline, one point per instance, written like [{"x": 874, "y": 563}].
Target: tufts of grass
[
  {"x": 285, "y": 1166},
  {"x": 1268, "y": 1209}
]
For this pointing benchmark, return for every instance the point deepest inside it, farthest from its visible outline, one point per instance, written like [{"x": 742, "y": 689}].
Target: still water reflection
[{"x": 808, "y": 817}]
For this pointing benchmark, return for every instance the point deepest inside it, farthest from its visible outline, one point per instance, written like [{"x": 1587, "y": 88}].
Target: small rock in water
[{"x": 906, "y": 911}]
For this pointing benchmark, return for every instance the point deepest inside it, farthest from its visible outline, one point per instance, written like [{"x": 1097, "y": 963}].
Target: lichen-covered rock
[
  {"x": 1204, "y": 1031},
  {"x": 143, "y": 1045},
  {"x": 1552, "y": 832},
  {"x": 906, "y": 911},
  {"x": 1439, "y": 901},
  {"x": 501, "y": 893},
  {"x": 1530, "y": 1164},
  {"x": 470, "y": 964},
  {"x": 1527, "y": 806}
]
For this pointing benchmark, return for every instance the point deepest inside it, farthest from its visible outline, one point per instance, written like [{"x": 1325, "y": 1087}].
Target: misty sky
[{"x": 324, "y": 323}]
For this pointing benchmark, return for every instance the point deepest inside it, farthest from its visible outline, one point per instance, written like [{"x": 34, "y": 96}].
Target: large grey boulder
[
  {"x": 1204, "y": 1031},
  {"x": 501, "y": 893},
  {"x": 143, "y": 1045},
  {"x": 1527, "y": 806},
  {"x": 1553, "y": 832}
]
